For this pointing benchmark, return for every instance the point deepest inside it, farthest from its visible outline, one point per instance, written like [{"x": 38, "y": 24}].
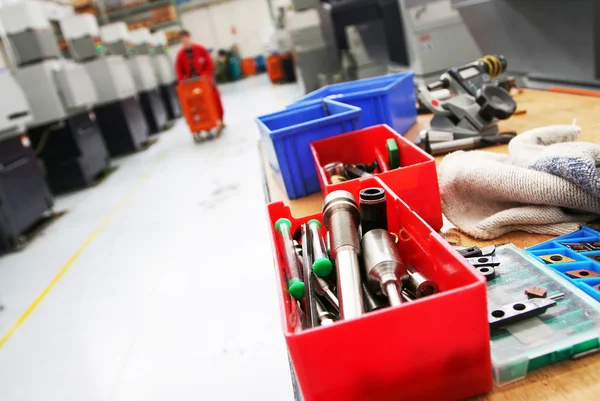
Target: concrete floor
[{"x": 167, "y": 291}]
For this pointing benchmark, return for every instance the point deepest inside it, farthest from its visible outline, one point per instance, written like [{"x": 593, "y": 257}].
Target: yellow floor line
[{"x": 77, "y": 254}]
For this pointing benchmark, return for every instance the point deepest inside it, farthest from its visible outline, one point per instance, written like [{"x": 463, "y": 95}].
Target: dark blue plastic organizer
[
  {"x": 287, "y": 136},
  {"x": 387, "y": 99},
  {"x": 582, "y": 259}
]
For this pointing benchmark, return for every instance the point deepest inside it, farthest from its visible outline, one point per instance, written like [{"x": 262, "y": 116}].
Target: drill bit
[
  {"x": 321, "y": 265},
  {"x": 323, "y": 288},
  {"x": 310, "y": 298},
  {"x": 326, "y": 318},
  {"x": 292, "y": 268}
]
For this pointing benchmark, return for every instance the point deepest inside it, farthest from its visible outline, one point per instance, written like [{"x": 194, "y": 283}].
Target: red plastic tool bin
[
  {"x": 435, "y": 348},
  {"x": 415, "y": 182}
]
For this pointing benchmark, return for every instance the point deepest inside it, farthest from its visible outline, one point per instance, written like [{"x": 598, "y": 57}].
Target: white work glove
[{"x": 547, "y": 184}]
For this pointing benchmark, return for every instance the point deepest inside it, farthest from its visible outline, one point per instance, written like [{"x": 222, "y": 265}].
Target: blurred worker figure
[{"x": 193, "y": 60}]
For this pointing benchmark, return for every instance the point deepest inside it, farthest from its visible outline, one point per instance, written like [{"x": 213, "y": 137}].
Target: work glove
[{"x": 547, "y": 184}]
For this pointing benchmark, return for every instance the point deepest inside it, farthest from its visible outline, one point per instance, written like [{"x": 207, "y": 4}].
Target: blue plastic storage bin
[
  {"x": 287, "y": 136},
  {"x": 388, "y": 99},
  {"x": 260, "y": 63},
  {"x": 585, "y": 258}
]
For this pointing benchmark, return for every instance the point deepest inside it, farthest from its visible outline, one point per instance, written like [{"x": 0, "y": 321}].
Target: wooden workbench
[{"x": 567, "y": 380}]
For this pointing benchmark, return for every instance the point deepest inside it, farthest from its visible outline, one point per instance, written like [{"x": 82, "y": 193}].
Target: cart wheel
[
  {"x": 197, "y": 138},
  {"x": 20, "y": 243},
  {"x": 219, "y": 130}
]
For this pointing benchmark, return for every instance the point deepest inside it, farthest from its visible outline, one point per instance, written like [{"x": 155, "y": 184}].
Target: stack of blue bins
[{"x": 330, "y": 111}]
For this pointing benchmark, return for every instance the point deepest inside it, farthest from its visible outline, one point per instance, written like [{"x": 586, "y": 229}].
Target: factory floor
[{"x": 157, "y": 284}]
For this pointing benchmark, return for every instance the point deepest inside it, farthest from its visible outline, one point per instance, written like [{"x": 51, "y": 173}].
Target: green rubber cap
[
  {"x": 281, "y": 221},
  {"x": 296, "y": 288},
  {"x": 393, "y": 153},
  {"x": 322, "y": 267},
  {"x": 314, "y": 221}
]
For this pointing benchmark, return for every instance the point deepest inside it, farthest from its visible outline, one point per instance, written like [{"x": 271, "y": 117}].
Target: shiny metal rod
[{"x": 341, "y": 216}]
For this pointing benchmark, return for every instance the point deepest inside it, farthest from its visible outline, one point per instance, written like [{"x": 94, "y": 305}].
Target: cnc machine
[
  {"x": 118, "y": 110},
  {"x": 165, "y": 71},
  {"x": 63, "y": 131},
  {"x": 24, "y": 194},
  {"x": 118, "y": 41}
]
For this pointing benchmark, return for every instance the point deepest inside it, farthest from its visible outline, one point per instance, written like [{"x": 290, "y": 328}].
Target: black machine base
[
  {"x": 73, "y": 151},
  {"x": 123, "y": 126},
  {"x": 24, "y": 194},
  {"x": 171, "y": 101},
  {"x": 154, "y": 110}
]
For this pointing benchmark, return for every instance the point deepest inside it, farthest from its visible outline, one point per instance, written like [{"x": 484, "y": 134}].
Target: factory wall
[{"x": 246, "y": 23}]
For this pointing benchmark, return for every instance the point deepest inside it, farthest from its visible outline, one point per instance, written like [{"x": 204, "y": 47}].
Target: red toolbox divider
[
  {"x": 435, "y": 348},
  {"x": 415, "y": 182}
]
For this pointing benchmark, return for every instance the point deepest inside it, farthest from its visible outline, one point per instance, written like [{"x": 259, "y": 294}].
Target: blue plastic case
[
  {"x": 388, "y": 99},
  {"x": 581, "y": 259},
  {"x": 287, "y": 136}
]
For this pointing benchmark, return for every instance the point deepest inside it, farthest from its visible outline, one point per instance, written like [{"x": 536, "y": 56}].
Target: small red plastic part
[
  {"x": 415, "y": 182},
  {"x": 435, "y": 103},
  {"x": 435, "y": 348}
]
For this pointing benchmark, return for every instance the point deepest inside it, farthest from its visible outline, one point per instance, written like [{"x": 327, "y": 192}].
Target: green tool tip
[
  {"x": 314, "y": 221},
  {"x": 296, "y": 288},
  {"x": 322, "y": 267},
  {"x": 281, "y": 221}
]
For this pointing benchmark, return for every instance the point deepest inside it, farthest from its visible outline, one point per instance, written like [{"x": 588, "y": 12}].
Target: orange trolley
[
  {"x": 275, "y": 68},
  {"x": 199, "y": 107},
  {"x": 248, "y": 67}
]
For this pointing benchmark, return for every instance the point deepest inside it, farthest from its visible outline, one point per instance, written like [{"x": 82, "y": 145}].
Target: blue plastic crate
[
  {"x": 388, "y": 99},
  {"x": 582, "y": 259},
  {"x": 260, "y": 63},
  {"x": 287, "y": 136}
]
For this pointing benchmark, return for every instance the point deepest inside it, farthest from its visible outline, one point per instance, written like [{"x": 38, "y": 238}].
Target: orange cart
[
  {"x": 199, "y": 105},
  {"x": 248, "y": 67},
  {"x": 275, "y": 68}
]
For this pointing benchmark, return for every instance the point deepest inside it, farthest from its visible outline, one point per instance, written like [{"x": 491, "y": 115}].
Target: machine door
[
  {"x": 440, "y": 38},
  {"x": 121, "y": 76},
  {"x": 163, "y": 68},
  {"x": 24, "y": 194},
  {"x": 75, "y": 86},
  {"x": 143, "y": 72}
]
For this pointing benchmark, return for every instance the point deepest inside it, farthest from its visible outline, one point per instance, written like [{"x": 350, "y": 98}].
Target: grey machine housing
[
  {"x": 29, "y": 32},
  {"x": 56, "y": 90},
  {"x": 110, "y": 75},
  {"x": 15, "y": 113}
]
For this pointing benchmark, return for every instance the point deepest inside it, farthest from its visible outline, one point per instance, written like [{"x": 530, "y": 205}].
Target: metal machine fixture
[
  {"x": 117, "y": 41},
  {"x": 24, "y": 194},
  {"x": 382, "y": 264},
  {"x": 61, "y": 94},
  {"x": 479, "y": 102},
  {"x": 118, "y": 110},
  {"x": 341, "y": 216},
  {"x": 166, "y": 74}
]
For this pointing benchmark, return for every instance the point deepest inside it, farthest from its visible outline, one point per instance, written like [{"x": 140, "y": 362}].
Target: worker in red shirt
[{"x": 193, "y": 60}]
